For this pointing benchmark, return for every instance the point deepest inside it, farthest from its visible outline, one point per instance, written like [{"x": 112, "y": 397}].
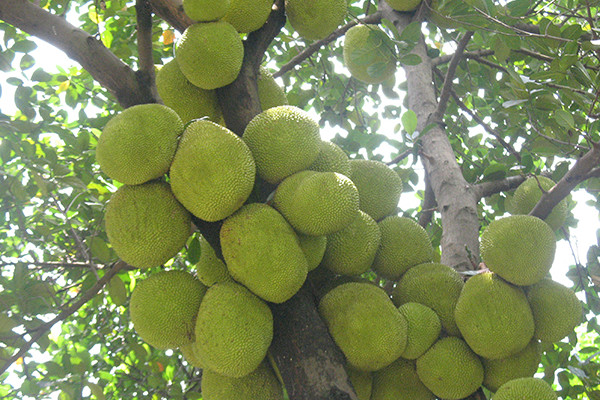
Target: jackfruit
[
  {"x": 188, "y": 101},
  {"x": 364, "y": 324},
  {"x": 260, "y": 384},
  {"x": 262, "y": 252},
  {"x": 190, "y": 356},
  {"x": 317, "y": 203},
  {"x": 520, "y": 365},
  {"x": 556, "y": 310},
  {"x": 146, "y": 225},
  {"x": 404, "y": 5},
  {"x": 315, "y": 19},
  {"x": 210, "y": 269},
  {"x": 519, "y": 248},
  {"x": 529, "y": 193},
  {"x": 369, "y": 54},
  {"x": 424, "y": 328},
  {"x": 313, "y": 248},
  {"x": 331, "y": 158},
  {"x": 234, "y": 329},
  {"x": 138, "y": 144},
  {"x": 163, "y": 308},
  {"x": 450, "y": 369},
  {"x": 248, "y": 15},
  {"x": 525, "y": 389},
  {"x": 270, "y": 93},
  {"x": 362, "y": 382},
  {"x": 378, "y": 185},
  {"x": 213, "y": 171},
  {"x": 351, "y": 250},
  {"x": 493, "y": 316},
  {"x": 210, "y": 54},
  {"x": 283, "y": 140},
  {"x": 435, "y": 285},
  {"x": 205, "y": 10},
  {"x": 399, "y": 381},
  {"x": 404, "y": 244}
]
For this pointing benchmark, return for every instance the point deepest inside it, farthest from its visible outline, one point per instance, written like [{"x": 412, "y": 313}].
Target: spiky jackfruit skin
[
  {"x": 351, "y": 250},
  {"x": 331, "y": 158},
  {"x": 138, "y": 144},
  {"x": 424, "y": 328},
  {"x": 519, "y": 248},
  {"x": 365, "y": 325},
  {"x": 378, "y": 185},
  {"x": 163, "y": 308},
  {"x": 205, "y": 10},
  {"x": 362, "y": 381},
  {"x": 529, "y": 193},
  {"x": 521, "y": 365},
  {"x": 437, "y": 286},
  {"x": 260, "y": 384},
  {"x": 210, "y": 269},
  {"x": 270, "y": 93},
  {"x": 493, "y": 316},
  {"x": 404, "y": 5},
  {"x": 213, "y": 171},
  {"x": 313, "y": 248},
  {"x": 210, "y": 54},
  {"x": 315, "y": 19},
  {"x": 283, "y": 140},
  {"x": 399, "y": 381},
  {"x": 450, "y": 369},
  {"x": 556, "y": 310},
  {"x": 369, "y": 54},
  {"x": 146, "y": 225},
  {"x": 404, "y": 244},
  {"x": 234, "y": 329},
  {"x": 317, "y": 203},
  {"x": 525, "y": 389},
  {"x": 248, "y": 15},
  {"x": 262, "y": 252},
  {"x": 188, "y": 101},
  {"x": 190, "y": 356}
]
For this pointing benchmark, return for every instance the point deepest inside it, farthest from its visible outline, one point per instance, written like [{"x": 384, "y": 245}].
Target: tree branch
[
  {"x": 487, "y": 189},
  {"x": 144, "y": 43},
  {"x": 467, "y": 54},
  {"x": 172, "y": 12},
  {"x": 429, "y": 204}
]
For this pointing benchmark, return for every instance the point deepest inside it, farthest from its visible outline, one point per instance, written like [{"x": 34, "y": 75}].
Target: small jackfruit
[
  {"x": 262, "y": 252},
  {"x": 450, "y": 369},
  {"x": 529, "y": 193},
  {"x": 365, "y": 325},
  {"x": 260, "y": 384},
  {"x": 248, "y": 15},
  {"x": 163, "y": 308},
  {"x": 362, "y": 382},
  {"x": 315, "y": 19},
  {"x": 493, "y": 316},
  {"x": 138, "y": 144},
  {"x": 234, "y": 329},
  {"x": 146, "y": 225},
  {"x": 399, "y": 381},
  {"x": 210, "y": 54},
  {"x": 270, "y": 93},
  {"x": 525, "y": 389},
  {"x": 424, "y": 328},
  {"x": 556, "y": 310},
  {"x": 317, "y": 203},
  {"x": 210, "y": 269},
  {"x": 331, "y": 158},
  {"x": 520, "y": 365},
  {"x": 519, "y": 248},
  {"x": 404, "y": 5},
  {"x": 404, "y": 244},
  {"x": 378, "y": 185},
  {"x": 369, "y": 54},
  {"x": 313, "y": 248},
  {"x": 283, "y": 140},
  {"x": 205, "y": 10},
  {"x": 213, "y": 171}
]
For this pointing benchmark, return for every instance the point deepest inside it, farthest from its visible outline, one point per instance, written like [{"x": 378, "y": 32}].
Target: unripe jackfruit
[
  {"x": 399, "y": 381},
  {"x": 210, "y": 269},
  {"x": 525, "y": 389},
  {"x": 369, "y": 54},
  {"x": 205, "y": 10},
  {"x": 248, "y": 15},
  {"x": 315, "y": 19},
  {"x": 270, "y": 93},
  {"x": 313, "y": 248},
  {"x": 404, "y": 5},
  {"x": 331, "y": 158},
  {"x": 424, "y": 329},
  {"x": 529, "y": 193},
  {"x": 362, "y": 381},
  {"x": 260, "y": 384},
  {"x": 520, "y": 365}
]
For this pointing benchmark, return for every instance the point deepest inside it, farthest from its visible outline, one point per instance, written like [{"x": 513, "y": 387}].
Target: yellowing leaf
[
  {"x": 168, "y": 37},
  {"x": 63, "y": 86},
  {"x": 19, "y": 361}
]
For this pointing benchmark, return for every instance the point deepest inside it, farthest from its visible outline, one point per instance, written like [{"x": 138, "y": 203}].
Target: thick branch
[
  {"x": 429, "y": 204},
  {"x": 487, "y": 189},
  {"x": 144, "y": 42},
  {"x": 88, "y": 51},
  {"x": 172, "y": 12},
  {"x": 468, "y": 54}
]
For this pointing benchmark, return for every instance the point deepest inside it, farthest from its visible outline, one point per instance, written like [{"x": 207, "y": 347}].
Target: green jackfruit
[
  {"x": 424, "y": 328},
  {"x": 556, "y": 310},
  {"x": 437, "y": 286},
  {"x": 378, "y": 185},
  {"x": 248, "y": 15},
  {"x": 317, "y": 203},
  {"x": 189, "y": 354},
  {"x": 529, "y": 193},
  {"x": 364, "y": 324},
  {"x": 525, "y": 389},
  {"x": 369, "y": 54},
  {"x": 450, "y": 369},
  {"x": 404, "y": 244},
  {"x": 234, "y": 329},
  {"x": 283, "y": 140},
  {"x": 210, "y": 269},
  {"x": 362, "y": 381},
  {"x": 315, "y": 19},
  {"x": 163, "y": 308},
  {"x": 138, "y": 144},
  {"x": 399, "y": 381},
  {"x": 146, "y": 225},
  {"x": 262, "y": 252},
  {"x": 493, "y": 316},
  {"x": 188, "y": 101},
  {"x": 270, "y": 93},
  {"x": 313, "y": 248},
  {"x": 520, "y": 365},
  {"x": 210, "y": 54},
  {"x": 213, "y": 171},
  {"x": 351, "y": 250},
  {"x": 205, "y": 10},
  {"x": 519, "y": 248},
  {"x": 331, "y": 158},
  {"x": 260, "y": 384},
  {"x": 404, "y": 5}
]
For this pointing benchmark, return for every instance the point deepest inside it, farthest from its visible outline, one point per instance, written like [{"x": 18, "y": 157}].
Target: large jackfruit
[
  {"x": 270, "y": 93},
  {"x": 424, "y": 328},
  {"x": 313, "y": 248},
  {"x": 205, "y": 10},
  {"x": 362, "y": 381},
  {"x": 525, "y": 389},
  {"x": 520, "y": 365},
  {"x": 529, "y": 193},
  {"x": 248, "y": 15},
  {"x": 260, "y": 384},
  {"x": 331, "y": 158},
  {"x": 315, "y": 19},
  {"x": 399, "y": 381},
  {"x": 369, "y": 54}
]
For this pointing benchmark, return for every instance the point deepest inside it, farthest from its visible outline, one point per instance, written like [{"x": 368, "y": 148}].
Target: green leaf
[
  {"x": 99, "y": 249},
  {"x": 409, "y": 121},
  {"x": 23, "y": 46},
  {"x": 117, "y": 290},
  {"x": 96, "y": 390},
  {"x": 564, "y": 119},
  {"x": 412, "y": 33},
  {"x": 495, "y": 171},
  {"x": 411, "y": 59}
]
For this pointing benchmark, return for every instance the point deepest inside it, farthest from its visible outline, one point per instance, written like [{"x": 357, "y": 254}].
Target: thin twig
[
  {"x": 53, "y": 265},
  {"x": 486, "y": 189},
  {"x": 467, "y": 54},
  {"x": 400, "y": 157}
]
